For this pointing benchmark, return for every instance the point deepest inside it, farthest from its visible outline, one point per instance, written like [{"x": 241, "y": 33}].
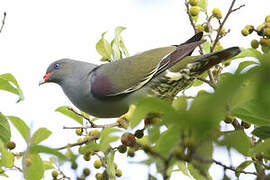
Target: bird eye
[{"x": 56, "y": 66}]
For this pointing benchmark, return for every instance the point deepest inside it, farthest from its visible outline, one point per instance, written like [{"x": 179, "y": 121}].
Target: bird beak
[
  {"x": 42, "y": 81},
  {"x": 45, "y": 78}
]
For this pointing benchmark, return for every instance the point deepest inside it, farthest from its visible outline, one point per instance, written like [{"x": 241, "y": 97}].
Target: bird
[{"x": 108, "y": 90}]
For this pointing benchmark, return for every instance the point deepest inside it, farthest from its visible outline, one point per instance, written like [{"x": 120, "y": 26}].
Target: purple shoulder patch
[{"x": 101, "y": 86}]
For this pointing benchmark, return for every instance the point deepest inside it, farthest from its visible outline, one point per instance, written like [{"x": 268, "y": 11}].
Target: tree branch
[
  {"x": 3, "y": 22},
  {"x": 78, "y": 143}
]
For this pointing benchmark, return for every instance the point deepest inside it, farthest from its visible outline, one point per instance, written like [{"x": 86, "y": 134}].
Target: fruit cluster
[{"x": 262, "y": 30}]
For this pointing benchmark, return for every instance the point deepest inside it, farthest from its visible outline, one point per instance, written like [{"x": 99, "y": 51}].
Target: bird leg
[{"x": 124, "y": 119}]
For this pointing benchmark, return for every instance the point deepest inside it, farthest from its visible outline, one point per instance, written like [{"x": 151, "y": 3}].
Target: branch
[
  {"x": 78, "y": 143},
  {"x": 101, "y": 159},
  {"x": 3, "y": 22},
  {"x": 193, "y": 24},
  {"x": 92, "y": 124},
  {"x": 231, "y": 10},
  {"x": 203, "y": 160}
]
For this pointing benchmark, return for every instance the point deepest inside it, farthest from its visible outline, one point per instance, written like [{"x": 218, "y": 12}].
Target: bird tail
[{"x": 205, "y": 62}]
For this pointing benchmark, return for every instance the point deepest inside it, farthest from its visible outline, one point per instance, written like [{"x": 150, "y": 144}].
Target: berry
[
  {"x": 245, "y": 32},
  {"x": 74, "y": 165},
  {"x": 118, "y": 173},
  {"x": 139, "y": 133},
  {"x": 128, "y": 139},
  {"x": 267, "y": 19},
  {"x": 193, "y": 2},
  {"x": 80, "y": 178},
  {"x": 265, "y": 42},
  {"x": 222, "y": 31},
  {"x": 97, "y": 164},
  {"x": 79, "y": 140},
  {"x": 194, "y": 11},
  {"x": 245, "y": 124},
  {"x": 99, "y": 176},
  {"x": 266, "y": 32},
  {"x": 227, "y": 64},
  {"x": 131, "y": 152},
  {"x": 255, "y": 44},
  {"x": 86, "y": 172},
  {"x": 206, "y": 28},
  {"x": 79, "y": 131},
  {"x": 228, "y": 120},
  {"x": 250, "y": 28},
  {"x": 87, "y": 156},
  {"x": 122, "y": 149},
  {"x": 54, "y": 174},
  {"x": 260, "y": 30},
  {"x": 151, "y": 118},
  {"x": 123, "y": 122},
  {"x": 217, "y": 13},
  {"x": 86, "y": 138},
  {"x": 115, "y": 165},
  {"x": 94, "y": 133},
  {"x": 267, "y": 25},
  {"x": 10, "y": 145},
  {"x": 28, "y": 161},
  {"x": 199, "y": 28}
]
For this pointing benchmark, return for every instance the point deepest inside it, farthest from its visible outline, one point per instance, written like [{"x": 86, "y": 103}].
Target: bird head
[{"x": 58, "y": 71}]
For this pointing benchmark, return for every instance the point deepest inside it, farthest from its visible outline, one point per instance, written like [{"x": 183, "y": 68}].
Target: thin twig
[
  {"x": 207, "y": 81},
  {"x": 91, "y": 138},
  {"x": 203, "y": 160},
  {"x": 193, "y": 24},
  {"x": 92, "y": 124},
  {"x": 223, "y": 22},
  {"x": 3, "y": 22},
  {"x": 101, "y": 159}
]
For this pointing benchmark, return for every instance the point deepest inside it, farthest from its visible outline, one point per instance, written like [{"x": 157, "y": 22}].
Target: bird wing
[{"x": 130, "y": 74}]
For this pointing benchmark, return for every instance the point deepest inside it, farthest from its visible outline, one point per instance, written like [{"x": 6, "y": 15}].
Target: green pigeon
[{"x": 108, "y": 90}]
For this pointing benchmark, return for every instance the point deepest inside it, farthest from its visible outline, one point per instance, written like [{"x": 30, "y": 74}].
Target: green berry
[
  {"x": 128, "y": 139},
  {"x": 86, "y": 172},
  {"x": 193, "y": 2},
  {"x": 74, "y": 165},
  {"x": 260, "y": 30},
  {"x": 250, "y": 28},
  {"x": 228, "y": 119},
  {"x": 54, "y": 174},
  {"x": 217, "y": 13},
  {"x": 79, "y": 131},
  {"x": 122, "y": 149},
  {"x": 131, "y": 152},
  {"x": 139, "y": 133},
  {"x": 227, "y": 64},
  {"x": 80, "y": 178},
  {"x": 267, "y": 25},
  {"x": 99, "y": 176},
  {"x": 245, "y": 32},
  {"x": 94, "y": 133},
  {"x": 266, "y": 32},
  {"x": 222, "y": 31},
  {"x": 194, "y": 11},
  {"x": 265, "y": 42},
  {"x": 97, "y": 164},
  {"x": 79, "y": 140},
  {"x": 87, "y": 156},
  {"x": 118, "y": 173},
  {"x": 199, "y": 28},
  {"x": 255, "y": 44},
  {"x": 245, "y": 124},
  {"x": 267, "y": 19},
  {"x": 115, "y": 166},
  {"x": 10, "y": 145},
  {"x": 206, "y": 28}
]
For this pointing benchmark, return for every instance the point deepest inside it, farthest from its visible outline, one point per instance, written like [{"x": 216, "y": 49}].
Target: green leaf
[
  {"x": 110, "y": 165},
  {"x": 238, "y": 140},
  {"x": 116, "y": 45},
  {"x": 35, "y": 170},
  {"x": 5, "y": 80},
  {"x": 90, "y": 147},
  {"x": 182, "y": 166},
  {"x": 40, "y": 135},
  {"x": 261, "y": 147},
  {"x": 48, "y": 165},
  {"x": 47, "y": 150},
  {"x": 64, "y": 110},
  {"x": 262, "y": 132},
  {"x": 204, "y": 150},
  {"x": 242, "y": 166},
  {"x": 123, "y": 47},
  {"x": 196, "y": 174},
  {"x": 4, "y": 129},
  {"x": 203, "y": 5},
  {"x": 243, "y": 65},
  {"x": 116, "y": 52},
  {"x": 7, "y": 158},
  {"x": 103, "y": 47},
  {"x": 180, "y": 104},
  {"x": 206, "y": 47},
  {"x": 106, "y": 138},
  {"x": 21, "y": 127},
  {"x": 250, "y": 52}
]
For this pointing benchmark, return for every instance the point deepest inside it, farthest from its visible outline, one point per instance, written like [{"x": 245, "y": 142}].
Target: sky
[{"x": 38, "y": 32}]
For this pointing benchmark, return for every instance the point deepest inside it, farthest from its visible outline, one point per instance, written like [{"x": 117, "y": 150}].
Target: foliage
[{"x": 181, "y": 134}]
